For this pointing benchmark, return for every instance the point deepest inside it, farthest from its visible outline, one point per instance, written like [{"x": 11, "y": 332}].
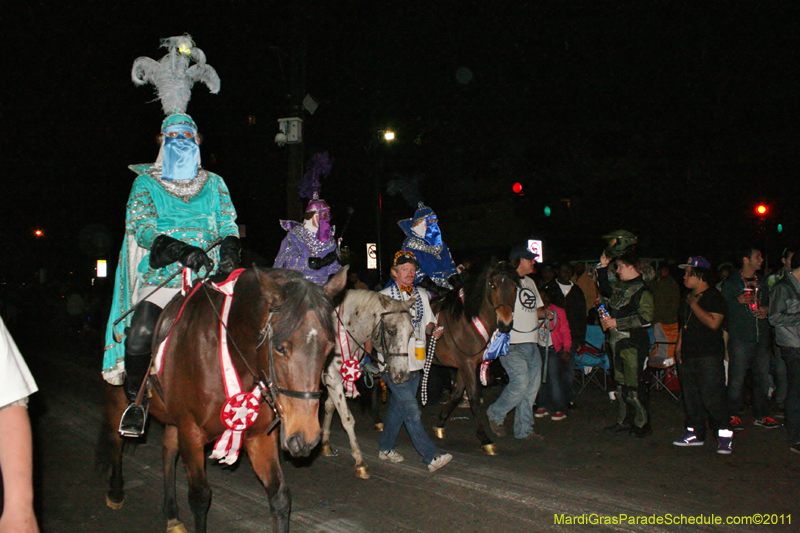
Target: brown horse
[
  {"x": 490, "y": 298},
  {"x": 279, "y": 333}
]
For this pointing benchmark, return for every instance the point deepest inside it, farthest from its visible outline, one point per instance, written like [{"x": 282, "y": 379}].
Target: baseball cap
[
  {"x": 696, "y": 261},
  {"x": 404, "y": 256},
  {"x": 521, "y": 252}
]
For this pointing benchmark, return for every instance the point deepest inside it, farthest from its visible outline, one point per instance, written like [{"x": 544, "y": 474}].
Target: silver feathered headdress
[{"x": 172, "y": 76}]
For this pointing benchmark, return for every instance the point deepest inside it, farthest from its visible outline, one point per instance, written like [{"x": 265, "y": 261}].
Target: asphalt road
[{"x": 576, "y": 471}]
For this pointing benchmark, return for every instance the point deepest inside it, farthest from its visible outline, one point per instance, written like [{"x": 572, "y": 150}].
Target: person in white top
[
  {"x": 16, "y": 448},
  {"x": 523, "y": 363},
  {"x": 403, "y": 407}
]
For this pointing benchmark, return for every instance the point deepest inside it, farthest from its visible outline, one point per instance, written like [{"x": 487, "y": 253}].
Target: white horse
[{"x": 363, "y": 316}]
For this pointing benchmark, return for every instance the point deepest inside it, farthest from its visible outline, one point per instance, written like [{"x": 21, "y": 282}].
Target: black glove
[
  {"x": 315, "y": 263},
  {"x": 229, "y": 254},
  {"x": 428, "y": 284},
  {"x": 456, "y": 281},
  {"x": 166, "y": 250}
]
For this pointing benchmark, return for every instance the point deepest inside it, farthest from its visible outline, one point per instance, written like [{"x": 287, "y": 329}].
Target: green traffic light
[
  {"x": 780, "y": 228},
  {"x": 547, "y": 210}
]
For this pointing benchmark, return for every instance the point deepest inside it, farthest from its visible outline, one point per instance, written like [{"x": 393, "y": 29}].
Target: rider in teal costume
[{"x": 176, "y": 213}]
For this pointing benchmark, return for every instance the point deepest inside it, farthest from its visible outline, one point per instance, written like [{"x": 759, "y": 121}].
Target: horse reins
[
  {"x": 269, "y": 388},
  {"x": 379, "y": 327}
]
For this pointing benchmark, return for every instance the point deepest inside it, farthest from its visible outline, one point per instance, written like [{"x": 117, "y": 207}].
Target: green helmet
[{"x": 619, "y": 242}]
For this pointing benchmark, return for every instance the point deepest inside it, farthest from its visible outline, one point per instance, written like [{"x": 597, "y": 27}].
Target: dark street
[{"x": 578, "y": 470}]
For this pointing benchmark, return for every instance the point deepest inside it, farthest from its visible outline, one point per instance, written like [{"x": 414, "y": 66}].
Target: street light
[{"x": 388, "y": 135}]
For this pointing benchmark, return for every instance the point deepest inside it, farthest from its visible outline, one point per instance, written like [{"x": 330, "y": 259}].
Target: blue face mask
[
  {"x": 433, "y": 236},
  {"x": 181, "y": 153}
]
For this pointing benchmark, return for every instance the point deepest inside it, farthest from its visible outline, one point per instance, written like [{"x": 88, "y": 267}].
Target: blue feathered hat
[{"x": 421, "y": 213}]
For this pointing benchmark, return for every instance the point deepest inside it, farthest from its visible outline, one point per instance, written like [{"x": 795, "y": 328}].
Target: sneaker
[
  {"x": 533, "y": 436},
  {"x": 736, "y": 423},
  {"x": 498, "y": 429},
  {"x": 391, "y": 456},
  {"x": 724, "y": 445},
  {"x": 767, "y": 422},
  {"x": 558, "y": 416},
  {"x": 795, "y": 447},
  {"x": 439, "y": 461},
  {"x": 541, "y": 412},
  {"x": 690, "y": 438}
]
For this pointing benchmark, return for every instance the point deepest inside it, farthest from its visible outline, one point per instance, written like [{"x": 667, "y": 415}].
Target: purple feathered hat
[{"x": 310, "y": 186}]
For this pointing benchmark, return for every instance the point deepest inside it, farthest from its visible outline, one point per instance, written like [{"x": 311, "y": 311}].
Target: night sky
[{"x": 663, "y": 118}]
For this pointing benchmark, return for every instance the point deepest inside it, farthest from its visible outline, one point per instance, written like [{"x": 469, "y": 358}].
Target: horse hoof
[
  {"x": 326, "y": 450},
  {"x": 114, "y": 505},
  {"x": 489, "y": 449},
  {"x": 439, "y": 432},
  {"x": 176, "y": 526},
  {"x": 378, "y": 426},
  {"x": 362, "y": 472}
]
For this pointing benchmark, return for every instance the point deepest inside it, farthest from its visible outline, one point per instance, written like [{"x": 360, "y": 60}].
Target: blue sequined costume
[
  {"x": 298, "y": 246},
  {"x": 431, "y": 253},
  {"x": 197, "y": 212}
]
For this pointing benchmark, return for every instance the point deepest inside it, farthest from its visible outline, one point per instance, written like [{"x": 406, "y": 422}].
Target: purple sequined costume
[{"x": 298, "y": 246}]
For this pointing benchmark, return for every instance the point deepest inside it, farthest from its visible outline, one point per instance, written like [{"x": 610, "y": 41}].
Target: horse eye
[{"x": 280, "y": 349}]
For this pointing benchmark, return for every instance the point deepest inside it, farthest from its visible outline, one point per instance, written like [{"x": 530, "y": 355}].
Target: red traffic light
[
  {"x": 517, "y": 188},
  {"x": 761, "y": 210}
]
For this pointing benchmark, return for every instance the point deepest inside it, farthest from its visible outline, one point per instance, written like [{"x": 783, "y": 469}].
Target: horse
[
  {"x": 362, "y": 316},
  {"x": 485, "y": 303},
  {"x": 279, "y": 333}
]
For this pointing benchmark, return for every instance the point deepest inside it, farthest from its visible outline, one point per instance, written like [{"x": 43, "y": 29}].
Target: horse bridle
[
  {"x": 380, "y": 328},
  {"x": 486, "y": 343},
  {"x": 268, "y": 387}
]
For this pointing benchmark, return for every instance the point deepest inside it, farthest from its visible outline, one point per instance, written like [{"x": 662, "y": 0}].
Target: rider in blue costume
[
  {"x": 424, "y": 238},
  {"x": 175, "y": 210}
]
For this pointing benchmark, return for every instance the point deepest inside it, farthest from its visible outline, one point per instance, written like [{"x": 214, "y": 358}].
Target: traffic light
[
  {"x": 547, "y": 211},
  {"x": 517, "y": 188},
  {"x": 780, "y": 228}
]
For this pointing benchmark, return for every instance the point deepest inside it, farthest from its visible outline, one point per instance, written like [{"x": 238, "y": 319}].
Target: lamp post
[{"x": 388, "y": 137}]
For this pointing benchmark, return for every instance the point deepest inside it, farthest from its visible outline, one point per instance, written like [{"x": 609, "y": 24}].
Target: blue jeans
[
  {"x": 792, "y": 404},
  {"x": 555, "y": 392},
  {"x": 404, "y": 409},
  {"x": 523, "y": 364},
  {"x": 744, "y": 355}
]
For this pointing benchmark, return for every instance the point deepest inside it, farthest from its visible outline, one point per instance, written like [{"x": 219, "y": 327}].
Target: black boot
[
  {"x": 624, "y": 423},
  {"x": 137, "y": 364}
]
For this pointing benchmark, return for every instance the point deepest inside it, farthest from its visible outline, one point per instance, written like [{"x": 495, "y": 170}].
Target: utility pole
[{"x": 297, "y": 84}]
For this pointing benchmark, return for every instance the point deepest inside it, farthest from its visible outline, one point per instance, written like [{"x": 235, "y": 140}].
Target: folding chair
[
  {"x": 661, "y": 360},
  {"x": 591, "y": 360}
]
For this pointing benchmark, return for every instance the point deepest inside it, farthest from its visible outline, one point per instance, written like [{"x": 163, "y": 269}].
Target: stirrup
[{"x": 129, "y": 424}]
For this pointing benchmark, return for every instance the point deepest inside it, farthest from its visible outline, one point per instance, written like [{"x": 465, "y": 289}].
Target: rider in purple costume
[{"x": 309, "y": 247}]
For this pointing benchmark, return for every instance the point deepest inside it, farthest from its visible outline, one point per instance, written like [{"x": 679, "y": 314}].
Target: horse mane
[
  {"x": 297, "y": 296},
  {"x": 475, "y": 289},
  {"x": 361, "y": 299}
]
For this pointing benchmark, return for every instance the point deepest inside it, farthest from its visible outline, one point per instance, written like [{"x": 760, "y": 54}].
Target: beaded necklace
[{"x": 416, "y": 316}]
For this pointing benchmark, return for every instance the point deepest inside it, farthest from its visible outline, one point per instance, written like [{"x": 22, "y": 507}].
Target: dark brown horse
[
  {"x": 279, "y": 333},
  {"x": 490, "y": 299}
]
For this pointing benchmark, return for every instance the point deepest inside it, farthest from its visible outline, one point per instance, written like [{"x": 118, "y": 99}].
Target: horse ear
[
  {"x": 269, "y": 286},
  {"x": 385, "y": 301},
  {"x": 410, "y": 302},
  {"x": 336, "y": 283}
]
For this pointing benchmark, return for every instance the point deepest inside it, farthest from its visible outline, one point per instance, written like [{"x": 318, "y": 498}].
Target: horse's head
[
  {"x": 393, "y": 335},
  {"x": 300, "y": 337},
  {"x": 503, "y": 282}
]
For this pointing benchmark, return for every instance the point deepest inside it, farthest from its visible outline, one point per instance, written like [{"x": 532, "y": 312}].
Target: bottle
[{"x": 602, "y": 312}]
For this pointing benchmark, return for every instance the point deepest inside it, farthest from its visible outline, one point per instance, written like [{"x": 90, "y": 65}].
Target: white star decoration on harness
[
  {"x": 351, "y": 370},
  {"x": 240, "y": 411}
]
